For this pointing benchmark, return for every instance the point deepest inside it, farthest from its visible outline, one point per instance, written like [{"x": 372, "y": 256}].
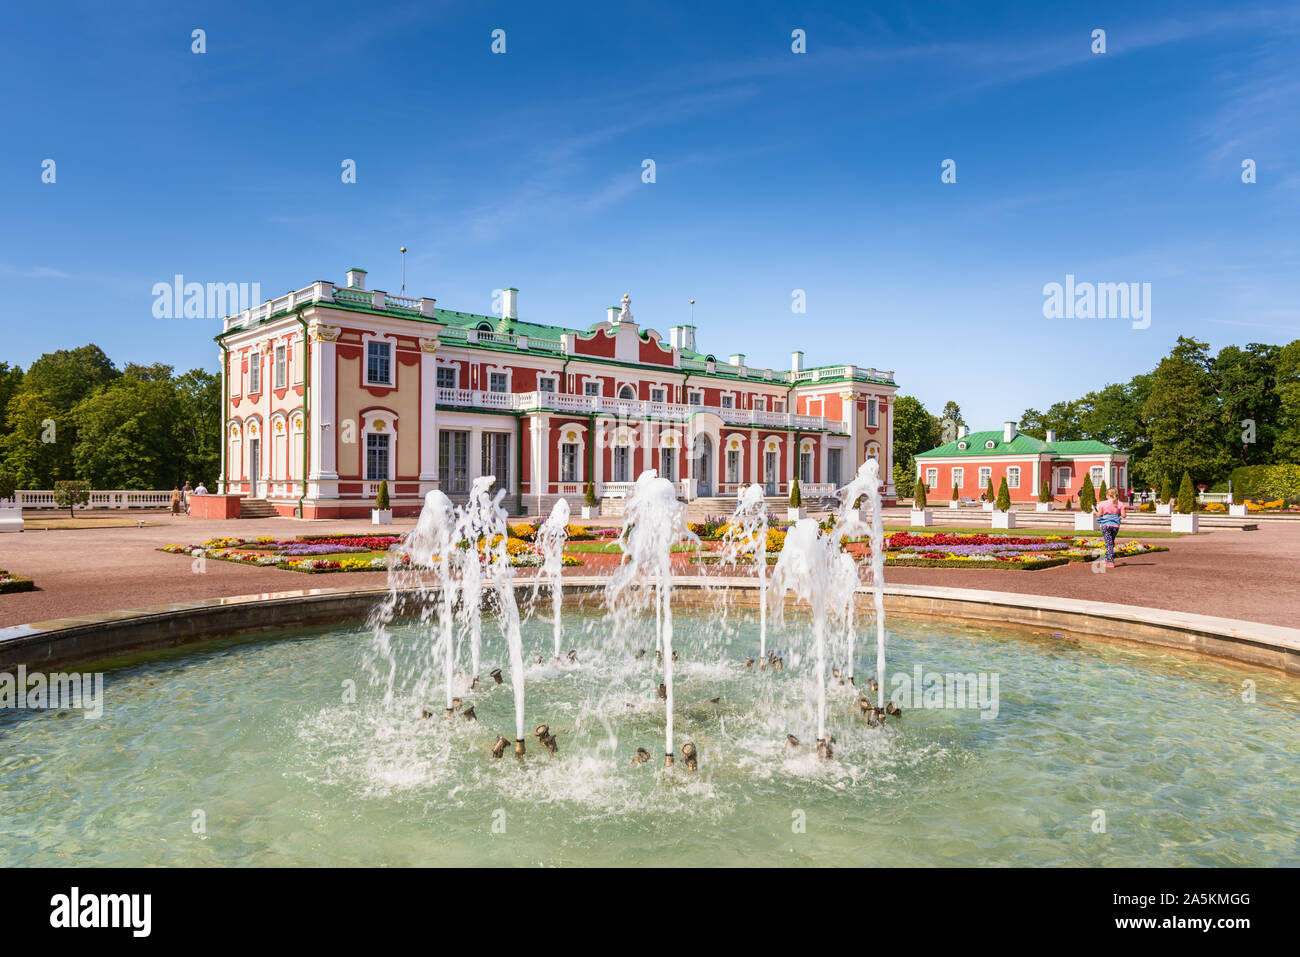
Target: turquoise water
[{"x": 259, "y": 743}]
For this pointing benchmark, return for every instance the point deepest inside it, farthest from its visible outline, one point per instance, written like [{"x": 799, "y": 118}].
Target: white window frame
[
  {"x": 570, "y": 469},
  {"x": 931, "y": 479},
  {"x": 1013, "y": 476},
  {"x": 695, "y": 398},
  {"x": 450, "y": 370},
  {"x": 873, "y": 415},
  {"x": 592, "y": 387},
  {"x": 658, "y": 394},
  {"x": 1097, "y": 473},
  {"x": 255, "y": 372},
  {"x": 552, "y": 383},
  {"x": 728, "y": 400},
  {"x": 985, "y": 476},
  {"x": 391, "y": 381},
  {"x": 281, "y": 365},
  {"x": 959, "y": 477},
  {"x": 760, "y": 403},
  {"x": 626, "y": 398}
]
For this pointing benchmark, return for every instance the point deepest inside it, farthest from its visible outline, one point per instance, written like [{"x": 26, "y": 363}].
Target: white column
[
  {"x": 791, "y": 454},
  {"x": 225, "y": 424},
  {"x": 539, "y": 464},
  {"x": 887, "y": 405},
  {"x": 323, "y": 480},
  {"x": 428, "y": 416},
  {"x": 597, "y": 461},
  {"x": 475, "y": 453}
]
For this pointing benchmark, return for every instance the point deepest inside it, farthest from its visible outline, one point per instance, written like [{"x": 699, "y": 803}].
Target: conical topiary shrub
[
  {"x": 918, "y": 495},
  {"x": 590, "y": 499},
  {"x": 1101, "y": 492},
  {"x": 796, "y": 500},
  {"x": 1087, "y": 495},
  {"x": 1004, "y": 496},
  {"x": 955, "y": 494},
  {"x": 989, "y": 494},
  {"x": 1166, "y": 489},
  {"x": 1044, "y": 496},
  {"x": 381, "y": 499},
  {"x": 1186, "y": 496}
]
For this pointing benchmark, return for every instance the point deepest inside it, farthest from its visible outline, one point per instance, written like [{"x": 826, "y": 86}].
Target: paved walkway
[{"x": 1253, "y": 576}]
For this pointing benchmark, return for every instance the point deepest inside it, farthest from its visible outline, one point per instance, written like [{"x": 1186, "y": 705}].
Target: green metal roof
[{"x": 1020, "y": 444}]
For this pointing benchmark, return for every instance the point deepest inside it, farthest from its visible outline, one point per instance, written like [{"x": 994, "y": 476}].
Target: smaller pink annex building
[{"x": 970, "y": 460}]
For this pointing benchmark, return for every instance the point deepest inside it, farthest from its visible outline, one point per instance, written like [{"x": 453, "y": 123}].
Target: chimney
[
  {"x": 796, "y": 361},
  {"x": 356, "y": 278},
  {"x": 510, "y": 303},
  {"x": 737, "y": 359},
  {"x": 961, "y": 431},
  {"x": 611, "y": 314},
  {"x": 1051, "y": 436},
  {"x": 682, "y": 337},
  {"x": 1008, "y": 431}
]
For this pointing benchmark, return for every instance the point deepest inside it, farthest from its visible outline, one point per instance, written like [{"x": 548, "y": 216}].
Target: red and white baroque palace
[{"x": 330, "y": 389}]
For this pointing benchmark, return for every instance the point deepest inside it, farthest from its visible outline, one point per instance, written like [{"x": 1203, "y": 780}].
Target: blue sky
[{"x": 775, "y": 171}]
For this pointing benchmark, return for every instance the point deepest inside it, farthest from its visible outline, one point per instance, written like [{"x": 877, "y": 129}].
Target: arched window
[
  {"x": 627, "y": 392},
  {"x": 485, "y": 327}
]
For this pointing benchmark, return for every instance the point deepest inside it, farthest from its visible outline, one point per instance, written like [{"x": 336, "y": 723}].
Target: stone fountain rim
[{"x": 86, "y": 638}]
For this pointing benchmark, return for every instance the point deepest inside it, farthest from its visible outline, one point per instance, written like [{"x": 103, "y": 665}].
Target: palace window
[
  {"x": 805, "y": 467},
  {"x": 959, "y": 478},
  {"x": 498, "y": 382},
  {"x": 377, "y": 456},
  {"x": 695, "y": 398},
  {"x": 778, "y": 405},
  {"x": 545, "y": 383},
  {"x": 379, "y": 363},
  {"x": 569, "y": 462},
  {"x": 986, "y": 474},
  {"x": 1097, "y": 472},
  {"x": 446, "y": 377},
  {"x": 453, "y": 461},
  {"x": 496, "y": 457},
  {"x": 254, "y": 373},
  {"x": 760, "y": 403},
  {"x": 627, "y": 392},
  {"x": 591, "y": 387},
  {"x": 656, "y": 395},
  {"x": 281, "y": 367},
  {"x": 871, "y": 414},
  {"x": 931, "y": 478},
  {"x": 668, "y": 464},
  {"x": 834, "y": 460},
  {"x": 1013, "y": 477},
  {"x": 622, "y": 463},
  {"x": 728, "y": 402},
  {"x": 733, "y": 466}
]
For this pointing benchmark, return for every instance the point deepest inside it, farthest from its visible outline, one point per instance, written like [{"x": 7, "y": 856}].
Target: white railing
[{"x": 45, "y": 498}]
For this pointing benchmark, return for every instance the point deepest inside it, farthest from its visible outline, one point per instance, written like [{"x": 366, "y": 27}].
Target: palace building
[
  {"x": 330, "y": 389},
  {"x": 970, "y": 460}
]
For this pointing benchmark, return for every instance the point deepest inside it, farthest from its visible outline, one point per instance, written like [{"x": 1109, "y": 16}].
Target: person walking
[
  {"x": 1110, "y": 514},
  {"x": 186, "y": 492},
  {"x": 176, "y": 500}
]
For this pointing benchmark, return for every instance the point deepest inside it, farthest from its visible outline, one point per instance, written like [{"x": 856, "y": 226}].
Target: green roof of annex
[{"x": 977, "y": 447}]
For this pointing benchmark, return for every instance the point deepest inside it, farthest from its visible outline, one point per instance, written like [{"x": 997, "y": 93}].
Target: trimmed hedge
[
  {"x": 1266, "y": 482},
  {"x": 15, "y": 583}
]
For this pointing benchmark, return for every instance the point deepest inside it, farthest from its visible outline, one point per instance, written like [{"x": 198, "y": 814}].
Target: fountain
[
  {"x": 551, "y": 538},
  {"x": 654, "y": 522},
  {"x": 747, "y": 534}
]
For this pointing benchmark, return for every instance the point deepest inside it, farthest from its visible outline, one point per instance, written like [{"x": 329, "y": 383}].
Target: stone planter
[
  {"x": 954, "y": 504},
  {"x": 1238, "y": 510},
  {"x": 922, "y": 517},
  {"x": 11, "y": 518},
  {"x": 381, "y": 516},
  {"x": 987, "y": 506},
  {"x": 1085, "y": 522},
  {"x": 1004, "y": 519},
  {"x": 1165, "y": 509},
  {"x": 1044, "y": 506},
  {"x": 590, "y": 511},
  {"x": 795, "y": 514},
  {"x": 1179, "y": 522}
]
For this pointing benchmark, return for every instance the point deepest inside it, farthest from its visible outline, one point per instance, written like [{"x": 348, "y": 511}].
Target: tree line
[
  {"x": 72, "y": 414},
  {"x": 1195, "y": 412}
]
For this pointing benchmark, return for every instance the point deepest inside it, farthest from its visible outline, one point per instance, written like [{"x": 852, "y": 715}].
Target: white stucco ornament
[{"x": 625, "y": 315}]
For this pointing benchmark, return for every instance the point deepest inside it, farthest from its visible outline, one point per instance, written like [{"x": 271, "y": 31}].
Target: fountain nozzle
[
  {"x": 824, "y": 749},
  {"x": 496, "y": 675},
  {"x": 749, "y": 661},
  {"x": 690, "y": 756},
  {"x": 499, "y": 748},
  {"x": 640, "y": 758},
  {"x": 468, "y": 714},
  {"x": 543, "y": 733},
  {"x": 519, "y": 748},
  {"x": 668, "y": 760},
  {"x": 663, "y": 691}
]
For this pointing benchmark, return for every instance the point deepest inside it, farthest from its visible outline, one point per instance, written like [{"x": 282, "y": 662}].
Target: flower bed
[
  {"x": 14, "y": 583},
  {"x": 980, "y": 550}
]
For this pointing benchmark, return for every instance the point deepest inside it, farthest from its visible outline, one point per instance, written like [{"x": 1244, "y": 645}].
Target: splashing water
[
  {"x": 431, "y": 544},
  {"x": 551, "y": 538},
  {"x": 747, "y": 535},
  {"x": 654, "y": 522}
]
